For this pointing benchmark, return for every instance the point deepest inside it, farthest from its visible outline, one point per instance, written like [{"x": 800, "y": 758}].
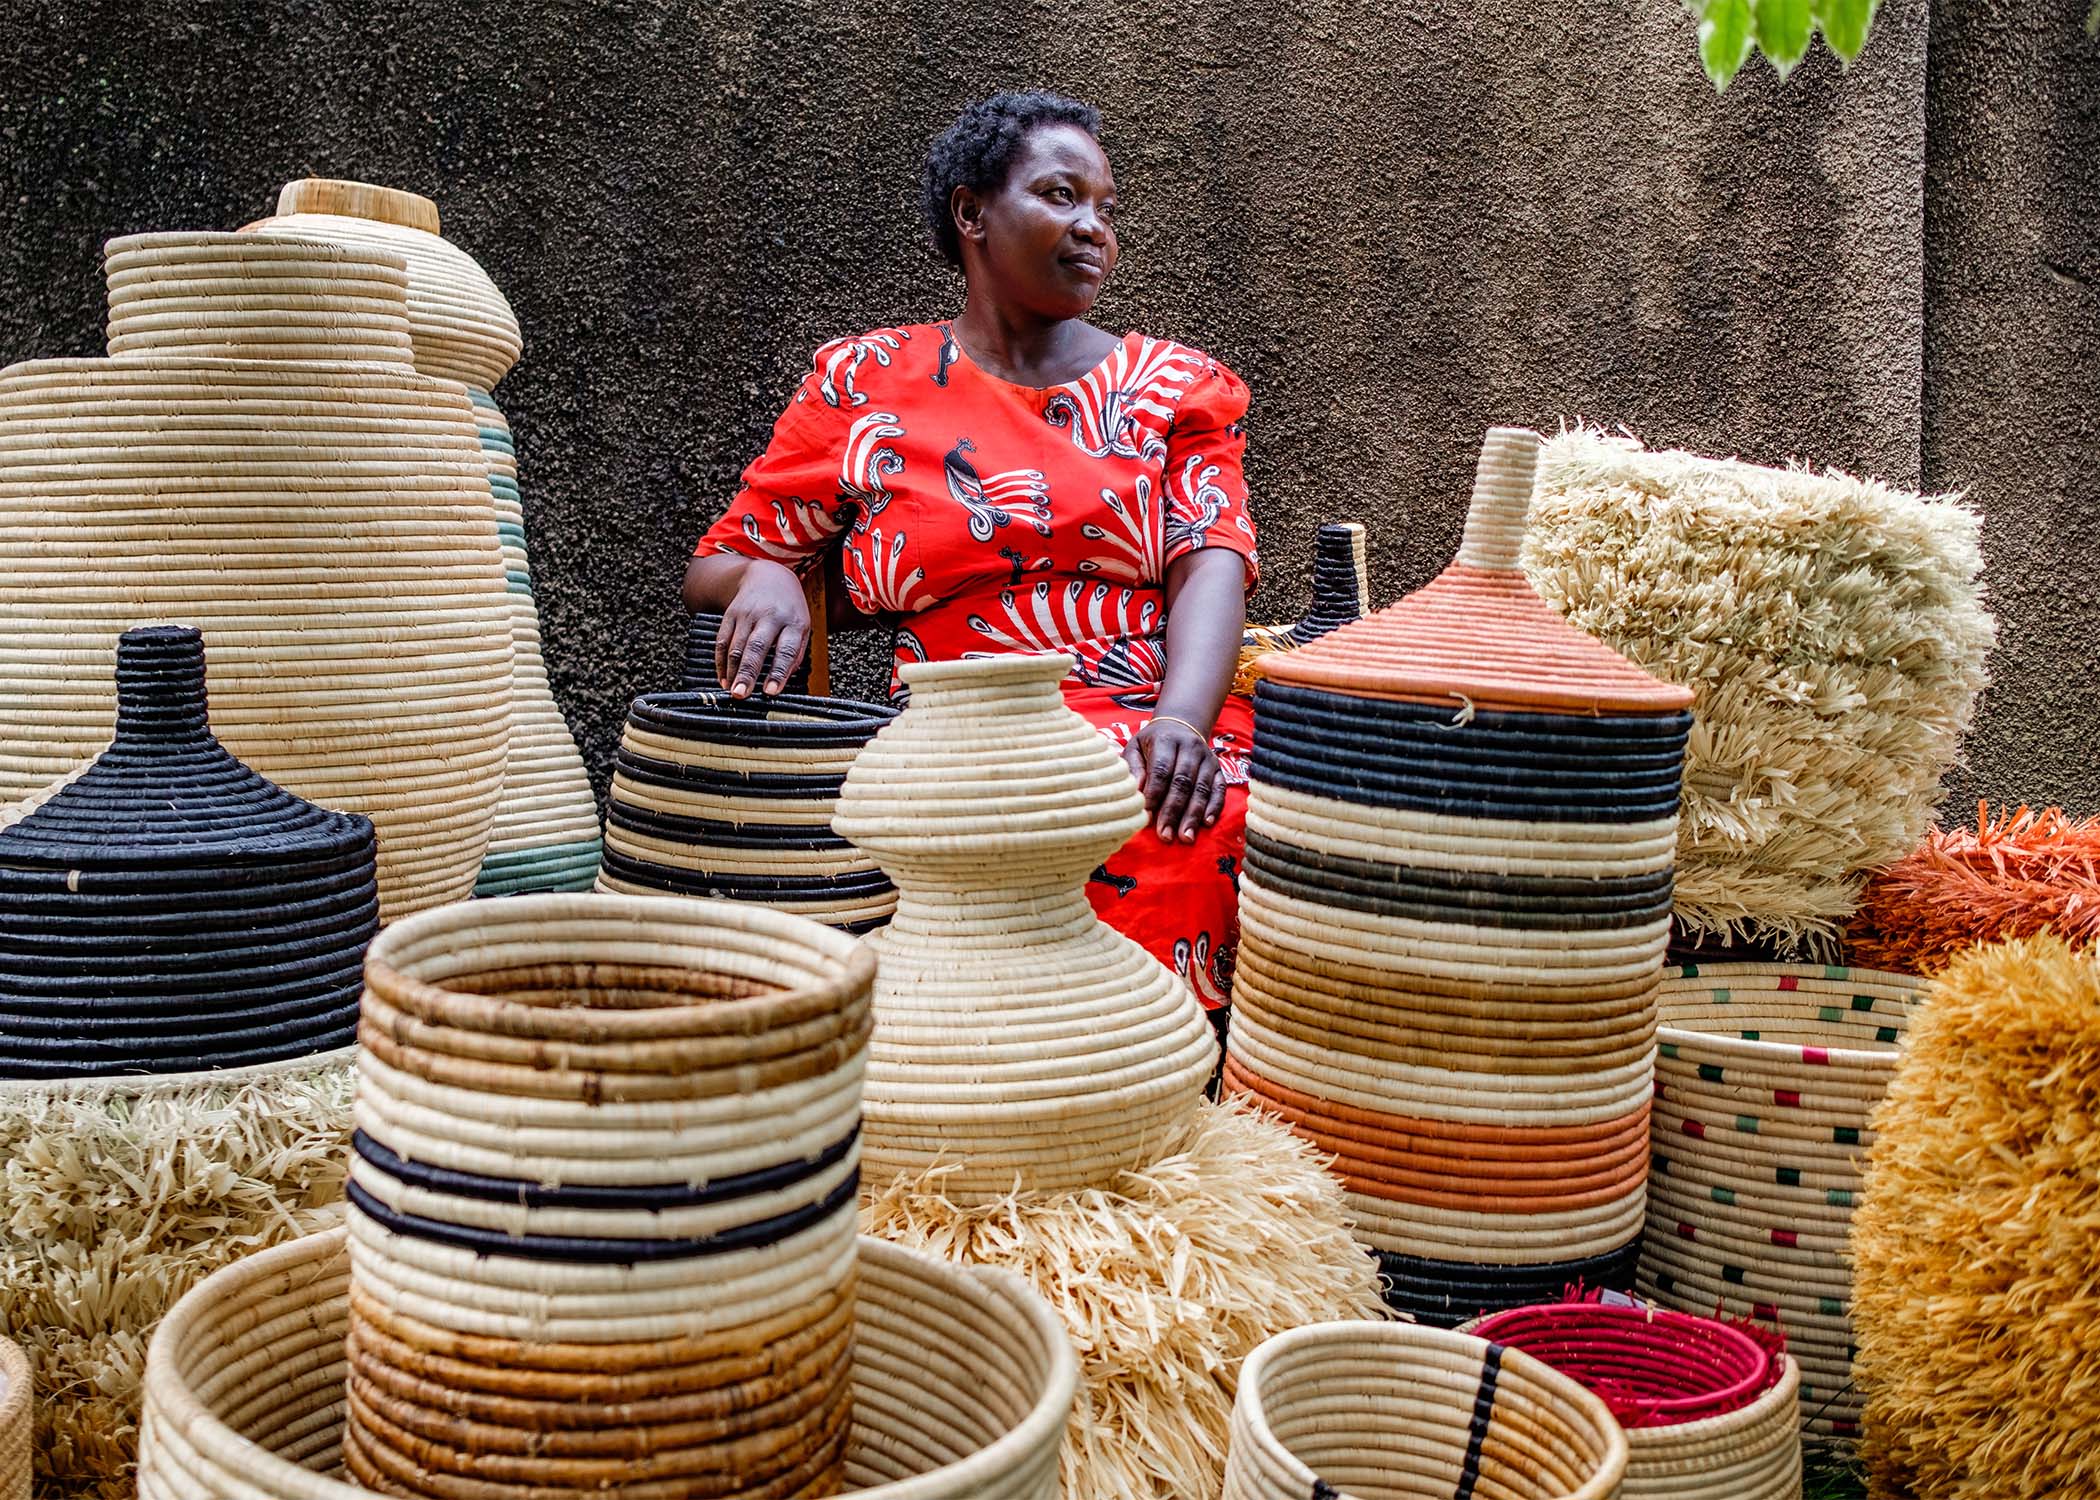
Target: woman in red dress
[{"x": 1018, "y": 480}]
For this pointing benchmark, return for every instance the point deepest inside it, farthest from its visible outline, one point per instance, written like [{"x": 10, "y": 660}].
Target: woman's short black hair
[{"x": 978, "y": 150}]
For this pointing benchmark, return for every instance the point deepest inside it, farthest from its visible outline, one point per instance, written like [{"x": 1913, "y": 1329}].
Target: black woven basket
[
  {"x": 1446, "y": 1293},
  {"x": 698, "y": 674},
  {"x": 171, "y": 910}
]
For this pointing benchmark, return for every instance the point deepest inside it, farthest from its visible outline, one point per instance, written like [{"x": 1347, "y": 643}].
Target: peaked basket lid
[{"x": 1479, "y": 634}]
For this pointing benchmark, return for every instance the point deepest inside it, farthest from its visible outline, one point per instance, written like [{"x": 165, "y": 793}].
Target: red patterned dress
[{"x": 995, "y": 518}]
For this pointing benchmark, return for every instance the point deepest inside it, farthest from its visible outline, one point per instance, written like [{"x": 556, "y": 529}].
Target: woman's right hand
[{"x": 764, "y": 631}]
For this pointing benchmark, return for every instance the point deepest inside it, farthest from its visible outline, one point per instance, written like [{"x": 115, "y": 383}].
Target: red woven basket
[{"x": 1652, "y": 1367}]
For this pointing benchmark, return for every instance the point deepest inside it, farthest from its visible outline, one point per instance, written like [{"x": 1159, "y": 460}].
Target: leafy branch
[{"x": 1730, "y": 30}]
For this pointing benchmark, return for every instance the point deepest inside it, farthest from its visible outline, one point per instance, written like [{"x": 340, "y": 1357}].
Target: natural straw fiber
[
  {"x": 1766, "y": 1078},
  {"x": 1711, "y": 1412},
  {"x": 1834, "y": 630},
  {"x": 961, "y": 1385},
  {"x": 1455, "y": 901},
  {"x": 17, "y": 1422},
  {"x": 1977, "y": 1316},
  {"x": 669, "y": 1187},
  {"x": 170, "y": 911},
  {"x": 720, "y": 796},
  {"x": 1385, "y": 1409},
  {"x": 2020, "y": 874},
  {"x": 268, "y": 468},
  {"x": 545, "y": 836},
  {"x": 1020, "y": 1037},
  {"x": 122, "y": 1194}
]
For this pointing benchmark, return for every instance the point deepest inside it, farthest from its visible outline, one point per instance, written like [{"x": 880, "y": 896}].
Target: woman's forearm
[
  {"x": 711, "y": 582},
  {"x": 1206, "y": 619}
]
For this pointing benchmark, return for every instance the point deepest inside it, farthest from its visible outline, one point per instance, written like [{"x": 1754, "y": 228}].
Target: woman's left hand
[{"x": 1178, "y": 772}]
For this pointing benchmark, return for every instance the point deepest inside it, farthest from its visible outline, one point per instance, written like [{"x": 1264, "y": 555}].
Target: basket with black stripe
[
  {"x": 732, "y": 798},
  {"x": 607, "y": 1158},
  {"x": 1454, "y": 909},
  {"x": 1337, "y": 1410}
]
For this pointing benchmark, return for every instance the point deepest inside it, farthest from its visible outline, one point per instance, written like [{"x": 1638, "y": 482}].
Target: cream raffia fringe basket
[
  {"x": 962, "y": 1383},
  {"x": 462, "y": 328},
  {"x": 119, "y": 1196},
  {"x": 1833, "y": 630},
  {"x": 16, "y": 1422},
  {"x": 257, "y": 459},
  {"x": 1339, "y": 1410}
]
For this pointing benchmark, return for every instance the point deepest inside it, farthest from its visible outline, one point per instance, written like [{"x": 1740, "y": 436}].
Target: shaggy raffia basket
[
  {"x": 1764, "y": 1085},
  {"x": 1710, "y": 1412},
  {"x": 545, "y": 836},
  {"x": 2018, "y": 875},
  {"x": 251, "y": 462},
  {"x": 719, "y": 796},
  {"x": 17, "y": 1422},
  {"x": 961, "y": 1382},
  {"x": 1339, "y": 1410},
  {"x": 1454, "y": 911},
  {"x": 1978, "y": 1266},
  {"x": 1834, "y": 631},
  {"x": 122, "y": 1194},
  {"x": 607, "y": 1158}
]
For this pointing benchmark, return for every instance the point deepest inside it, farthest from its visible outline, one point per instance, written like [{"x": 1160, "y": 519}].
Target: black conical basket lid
[{"x": 170, "y": 910}]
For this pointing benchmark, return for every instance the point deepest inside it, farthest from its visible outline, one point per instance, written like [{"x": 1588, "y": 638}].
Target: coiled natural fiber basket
[
  {"x": 545, "y": 836},
  {"x": 1710, "y": 1412},
  {"x": 1023, "y": 1043},
  {"x": 1381, "y": 1411},
  {"x": 962, "y": 1382},
  {"x": 1454, "y": 905},
  {"x": 607, "y": 1151},
  {"x": 274, "y": 473},
  {"x": 17, "y": 1422},
  {"x": 1766, "y": 1079}
]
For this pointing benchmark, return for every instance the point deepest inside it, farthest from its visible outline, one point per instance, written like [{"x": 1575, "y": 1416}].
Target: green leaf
[
  {"x": 1782, "y": 29},
  {"x": 1724, "y": 39},
  {"x": 1844, "y": 24},
  {"x": 2092, "y": 21}
]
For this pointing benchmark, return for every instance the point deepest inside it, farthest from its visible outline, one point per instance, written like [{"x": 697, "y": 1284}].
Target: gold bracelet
[{"x": 1184, "y": 723}]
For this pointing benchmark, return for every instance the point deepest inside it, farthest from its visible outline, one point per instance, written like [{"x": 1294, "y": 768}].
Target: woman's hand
[
  {"x": 1179, "y": 775},
  {"x": 764, "y": 630}
]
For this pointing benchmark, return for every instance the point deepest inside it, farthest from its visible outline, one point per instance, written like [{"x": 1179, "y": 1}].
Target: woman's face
[{"x": 1045, "y": 240}]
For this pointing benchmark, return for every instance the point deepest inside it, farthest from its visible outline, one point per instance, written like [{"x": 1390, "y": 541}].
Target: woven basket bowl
[
  {"x": 1766, "y": 1077},
  {"x": 962, "y": 1383},
  {"x": 1710, "y": 1413},
  {"x": 16, "y": 1423},
  {"x": 1379, "y": 1410}
]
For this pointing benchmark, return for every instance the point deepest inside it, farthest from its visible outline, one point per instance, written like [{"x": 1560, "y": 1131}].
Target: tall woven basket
[
  {"x": 1337, "y": 1410},
  {"x": 607, "y": 1156},
  {"x": 1454, "y": 909},
  {"x": 962, "y": 1382},
  {"x": 1767, "y": 1076},
  {"x": 732, "y": 797},
  {"x": 462, "y": 328},
  {"x": 1022, "y": 1042},
  {"x": 258, "y": 459}
]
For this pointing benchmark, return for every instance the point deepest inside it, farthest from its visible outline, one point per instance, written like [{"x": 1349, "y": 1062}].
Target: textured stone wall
[{"x": 1401, "y": 223}]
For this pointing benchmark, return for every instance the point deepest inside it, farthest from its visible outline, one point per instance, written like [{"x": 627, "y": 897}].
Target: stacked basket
[
  {"x": 603, "y": 1198},
  {"x": 252, "y": 463},
  {"x": 1340, "y": 585},
  {"x": 546, "y": 828},
  {"x": 1388, "y": 1409},
  {"x": 1710, "y": 1412},
  {"x": 719, "y": 796},
  {"x": 1454, "y": 910},
  {"x": 16, "y": 1423},
  {"x": 1766, "y": 1078},
  {"x": 961, "y": 1384},
  {"x": 1022, "y": 1040},
  {"x": 699, "y": 675},
  {"x": 171, "y": 911}
]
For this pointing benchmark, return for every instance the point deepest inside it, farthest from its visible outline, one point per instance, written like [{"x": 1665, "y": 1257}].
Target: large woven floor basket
[
  {"x": 962, "y": 1383},
  {"x": 1766, "y": 1076},
  {"x": 1381, "y": 1411},
  {"x": 16, "y": 1423},
  {"x": 1711, "y": 1412}
]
